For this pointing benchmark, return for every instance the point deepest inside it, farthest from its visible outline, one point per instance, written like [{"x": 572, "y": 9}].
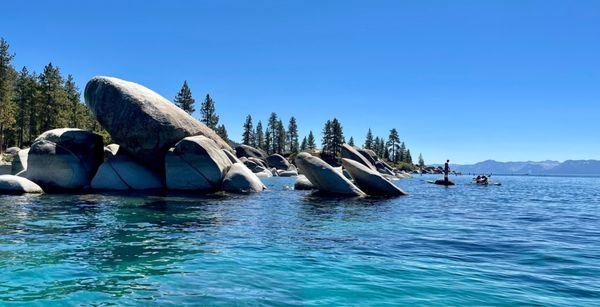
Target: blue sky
[{"x": 464, "y": 80}]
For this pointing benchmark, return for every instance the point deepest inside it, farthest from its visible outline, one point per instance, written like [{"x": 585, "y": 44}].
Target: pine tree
[
  {"x": 207, "y": 113},
  {"x": 327, "y": 137},
  {"x": 421, "y": 161},
  {"x": 273, "y": 126},
  {"x": 281, "y": 138},
  {"x": 222, "y": 132},
  {"x": 259, "y": 136},
  {"x": 23, "y": 97},
  {"x": 268, "y": 141},
  {"x": 408, "y": 157},
  {"x": 393, "y": 146},
  {"x": 369, "y": 140},
  {"x": 54, "y": 106},
  {"x": 7, "y": 106},
  {"x": 312, "y": 145},
  {"x": 248, "y": 133},
  {"x": 351, "y": 141},
  {"x": 33, "y": 108},
  {"x": 304, "y": 144},
  {"x": 185, "y": 101},
  {"x": 293, "y": 135},
  {"x": 337, "y": 139},
  {"x": 73, "y": 100},
  {"x": 402, "y": 152}
]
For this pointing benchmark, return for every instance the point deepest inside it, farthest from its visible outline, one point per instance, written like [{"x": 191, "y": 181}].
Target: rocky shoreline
[{"x": 160, "y": 147}]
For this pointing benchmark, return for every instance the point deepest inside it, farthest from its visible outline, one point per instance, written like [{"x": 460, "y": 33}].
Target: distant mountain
[{"x": 569, "y": 167}]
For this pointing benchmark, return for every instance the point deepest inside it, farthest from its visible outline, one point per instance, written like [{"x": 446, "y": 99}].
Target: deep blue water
[{"x": 533, "y": 240}]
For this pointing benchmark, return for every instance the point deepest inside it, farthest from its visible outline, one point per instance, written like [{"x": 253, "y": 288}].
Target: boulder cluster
[
  {"x": 159, "y": 147},
  {"x": 358, "y": 176}
]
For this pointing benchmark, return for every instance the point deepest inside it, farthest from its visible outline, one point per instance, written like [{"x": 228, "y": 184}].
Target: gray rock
[
  {"x": 253, "y": 166},
  {"x": 110, "y": 150},
  {"x": 196, "y": 163},
  {"x": 239, "y": 179},
  {"x": 369, "y": 154},
  {"x": 249, "y": 151},
  {"x": 10, "y": 184},
  {"x": 384, "y": 168},
  {"x": 349, "y": 152},
  {"x": 142, "y": 122},
  {"x": 121, "y": 172},
  {"x": 265, "y": 173},
  {"x": 324, "y": 177},
  {"x": 287, "y": 173},
  {"x": 278, "y": 161},
  {"x": 64, "y": 159},
  {"x": 5, "y": 168},
  {"x": 274, "y": 172},
  {"x": 302, "y": 183},
  {"x": 232, "y": 157},
  {"x": 12, "y": 151},
  {"x": 370, "y": 181},
  {"x": 19, "y": 162}
]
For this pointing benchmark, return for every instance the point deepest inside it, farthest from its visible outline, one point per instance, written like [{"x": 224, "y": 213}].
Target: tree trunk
[{"x": 1, "y": 139}]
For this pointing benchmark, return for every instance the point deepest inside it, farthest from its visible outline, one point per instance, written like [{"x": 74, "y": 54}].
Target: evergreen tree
[
  {"x": 185, "y": 101},
  {"x": 351, "y": 141},
  {"x": 393, "y": 146},
  {"x": 375, "y": 146},
  {"x": 293, "y": 135},
  {"x": 208, "y": 114},
  {"x": 260, "y": 137},
  {"x": 312, "y": 145},
  {"x": 408, "y": 157},
  {"x": 402, "y": 152},
  {"x": 33, "y": 108},
  {"x": 7, "y": 106},
  {"x": 281, "y": 138},
  {"x": 337, "y": 139},
  {"x": 273, "y": 126},
  {"x": 222, "y": 132},
  {"x": 304, "y": 144},
  {"x": 54, "y": 106},
  {"x": 421, "y": 161},
  {"x": 74, "y": 102},
  {"x": 369, "y": 140},
  {"x": 24, "y": 96},
  {"x": 248, "y": 133},
  {"x": 326, "y": 141},
  {"x": 268, "y": 141}
]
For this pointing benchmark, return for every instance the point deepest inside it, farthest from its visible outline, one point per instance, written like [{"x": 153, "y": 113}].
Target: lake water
[{"x": 533, "y": 240}]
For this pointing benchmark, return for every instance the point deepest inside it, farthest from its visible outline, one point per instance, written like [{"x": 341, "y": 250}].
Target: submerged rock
[
  {"x": 443, "y": 182},
  {"x": 302, "y": 183},
  {"x": 196, "y": 163},
  {"x": 121, "y": 172},
  {"x": 370, "y": 181},
  {"x": 142, "y": 122},
  {"x": 11, "y": 184},
  {"x": 64, "y": 159},
  {"x": 324, "y": 177},
  {"x": 240, "y": 179}
]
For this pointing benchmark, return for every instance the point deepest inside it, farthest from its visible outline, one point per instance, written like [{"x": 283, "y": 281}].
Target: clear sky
[{"x": 465, "y": 80}]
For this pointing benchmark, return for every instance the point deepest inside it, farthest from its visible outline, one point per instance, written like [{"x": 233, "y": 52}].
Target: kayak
[
  {"x": 488, "y": 183},
  {"x": 441, "y": 182}
]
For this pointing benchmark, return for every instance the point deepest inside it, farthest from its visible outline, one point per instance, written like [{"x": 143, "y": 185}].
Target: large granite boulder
[
  {"x": 302, "y": 183},
  {"x": 5, "y": 168},
  {"x": 196, "y": 163},
  {"x": 369, "y": 154},
  {"x": 265, "y": 173},
  {"x": 239, "y": 179},
  {"x": 121, "y": 172},
  {"x": 19, "y": 162},
  {"x": 278, "y": 161},
  {"x": 64, "y": 159},
  {"x": 350, "y": 152},
  {"x": 142, "y": 122},
  {"x": 249, "y": 151},
  {"x": 11, "y": 184},
  {"x": 384, "y": 168},
  {"x": 110, "y": 150},
  {"x": 290, "y": 173},
  {"x": 370, "y": 181},
  {"x": 324, "y": 177},
  {"x": 232, "y": 158}
]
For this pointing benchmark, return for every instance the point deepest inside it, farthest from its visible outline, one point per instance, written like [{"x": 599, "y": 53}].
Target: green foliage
[
  {"x": 281, "y": 138},
  {"x": 248, "y": 132},
  {"x": 208, "y": 114},
  {"x": 7, "y": 105},
  {"x": 369, "y": 140},
  {"x": 184, "y": 99},
  {"x": 311, "y": 144},
  {"x": 351, "y": 141},
  {"x": 222, "y": 132},
  {"x": 304, "y": 144},
  {"x": 293, "y": 135},
  {"x": 259, "y": 136},
  {"x": 421, "y": 162}
]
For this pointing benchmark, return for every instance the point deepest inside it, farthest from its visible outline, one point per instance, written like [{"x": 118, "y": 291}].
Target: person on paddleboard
[{"x": 446, "y": 170}]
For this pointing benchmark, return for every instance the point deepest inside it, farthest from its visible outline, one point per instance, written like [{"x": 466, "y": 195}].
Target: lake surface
[{"x": 533, "y": 240}]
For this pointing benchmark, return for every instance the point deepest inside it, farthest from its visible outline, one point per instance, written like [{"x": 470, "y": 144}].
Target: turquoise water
[{"x": 534, "y": 240}]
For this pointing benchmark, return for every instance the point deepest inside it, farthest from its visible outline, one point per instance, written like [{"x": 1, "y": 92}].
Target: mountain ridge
[{"x": 547, "y": 167}]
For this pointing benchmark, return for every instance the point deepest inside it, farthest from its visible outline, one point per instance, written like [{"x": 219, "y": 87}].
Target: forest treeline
[{"x": 31, "y": 103}]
